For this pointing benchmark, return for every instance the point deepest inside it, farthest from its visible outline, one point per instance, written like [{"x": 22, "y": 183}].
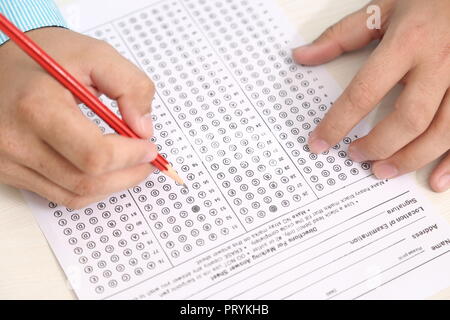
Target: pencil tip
[
  {"x": 174, "y": 175},
  {"x": 185, "y": 186}
]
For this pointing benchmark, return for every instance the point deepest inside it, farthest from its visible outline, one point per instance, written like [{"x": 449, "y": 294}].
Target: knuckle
[
  {"x": 8, "y": 169},
  {"x": 103, "y": 46},
  {"x": 10, "y": 144},
  {"x": 333, "y": 128},
  {"x": 28, "y": 109},
  {"x": 26, "y": 103},
  {"x": 94, "y": 162},
  {"x": 413, "y": 124},
  {"x": 418, "y": 25},
  {"x": 97, "y": 48},
  {"x": 65, "y": 97},
  {"x": 145, "y": 85},
  {"x": 334, "y": 30},
  {"x": 74, "y": 202},
  {"x": 85, "y": 186},
  {"x": 331, "y": 33},
  {"x": 408, "y": 35},
  {"x": 359, "y": 97},
  {"x": 415, "y": 161},
  {"x": 444, "y": 53},
  {"x": 378, "y": 152},
  {"x": 412, "y": 36},
  {"x": 29, "y": 104},
  {"x": 442, "y": 129},
  {"x": 416, "y": 120}
]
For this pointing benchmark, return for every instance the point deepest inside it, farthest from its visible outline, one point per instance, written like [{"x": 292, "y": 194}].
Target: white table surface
[{"x": 28, "y": 268}]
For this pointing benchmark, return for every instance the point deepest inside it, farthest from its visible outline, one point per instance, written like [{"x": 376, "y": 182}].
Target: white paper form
[{"x": 262, "y": 217}]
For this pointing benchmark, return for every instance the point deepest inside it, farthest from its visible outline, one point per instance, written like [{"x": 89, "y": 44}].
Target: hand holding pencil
[{"x": 49, "y": 146}]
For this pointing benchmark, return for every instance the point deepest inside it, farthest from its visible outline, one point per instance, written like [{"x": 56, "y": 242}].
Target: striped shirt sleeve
[{"x": 31, "y": 14}]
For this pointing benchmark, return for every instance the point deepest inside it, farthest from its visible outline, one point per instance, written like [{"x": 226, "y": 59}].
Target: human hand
[
  {"x": 415, "y": 50},
  {"x": 47, "y": 145}
]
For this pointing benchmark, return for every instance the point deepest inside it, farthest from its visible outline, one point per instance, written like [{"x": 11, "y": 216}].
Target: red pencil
[{"x": 78, "y": 90}]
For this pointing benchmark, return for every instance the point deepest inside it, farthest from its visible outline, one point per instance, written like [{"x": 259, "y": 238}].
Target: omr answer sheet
[{"x": 262, "y": 217}]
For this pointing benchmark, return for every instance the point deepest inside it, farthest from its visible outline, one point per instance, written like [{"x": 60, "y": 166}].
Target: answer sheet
[{"x": 262, "y": 217}]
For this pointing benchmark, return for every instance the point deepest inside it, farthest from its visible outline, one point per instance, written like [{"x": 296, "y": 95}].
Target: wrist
[{"x": 30, "y": 15}]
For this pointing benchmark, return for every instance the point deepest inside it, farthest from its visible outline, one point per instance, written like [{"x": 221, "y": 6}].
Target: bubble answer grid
[{"x": 233, "y": 112}]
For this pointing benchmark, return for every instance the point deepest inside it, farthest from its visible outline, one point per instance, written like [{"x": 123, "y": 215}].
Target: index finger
[
  {"x": 383, "y": 70},
  {"x": 127, "y": 84},
  {"x": 70, "y": 133}
]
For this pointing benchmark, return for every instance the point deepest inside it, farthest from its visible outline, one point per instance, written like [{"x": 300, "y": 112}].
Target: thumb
[
  {"x": 440, "y": 178},
  {"x": 351, "y": 33},
  {"x": 121, "y": 80}
]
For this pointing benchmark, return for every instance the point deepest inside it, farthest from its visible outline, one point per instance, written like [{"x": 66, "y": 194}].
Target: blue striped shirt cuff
[{"x": 31, "y": 14}]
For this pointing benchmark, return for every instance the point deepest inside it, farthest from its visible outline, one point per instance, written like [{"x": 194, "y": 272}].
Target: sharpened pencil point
[
  {"x": 174, "y": 175},
  {"x": 185, "y": 186}
]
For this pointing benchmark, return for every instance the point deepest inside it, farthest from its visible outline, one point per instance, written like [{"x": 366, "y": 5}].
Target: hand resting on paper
[{"x": 414, "y": 49}]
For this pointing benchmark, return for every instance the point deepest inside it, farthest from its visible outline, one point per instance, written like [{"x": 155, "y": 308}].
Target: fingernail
[
  {"x": 318, "y": 145},
  {"x": 385, "y": 171},
  {"x": 444, "y": 183},
  {"x": 355, "y": 154},
  {"x": 147, "y": 123}
]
